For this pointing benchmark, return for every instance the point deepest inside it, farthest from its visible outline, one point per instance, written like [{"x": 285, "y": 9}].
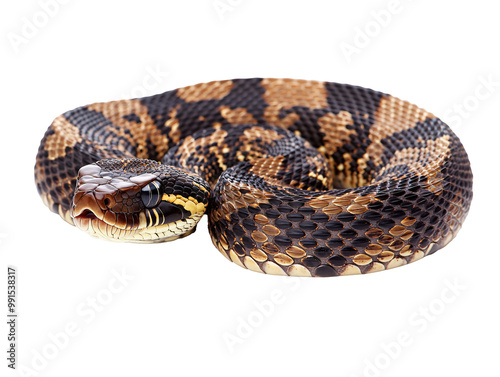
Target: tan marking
[
  {"x": 142, "y": 219},
  {"x": 324, "y": 180},
  {"x": 385, "y": 256},
  {"x": 233, "y": 194},
  {"x": 253, "y": 151},
  {"x": 350, "y": 269},
  {"x": 271, "y": 230},
  {"x": 362, "y": 259},
  {"x": 357, "y": 209},
  {"x": 259, "y": 236},
  {"x": 66, "y": 215},
  {"x": 361, "y": 168},
  {"x": 223, "y": 242},
  {"x": 408, "y": 221},
  {"x": 202, "y": 188},
  {"x": 189, "y": 145},
  {"x": 238, "y": 115},
  {"x": 251, "y": 264},
  {"x": 347, "y": 178},
  {"x": 393, "y": 115},
  {"x": 173, "y": 123},
  {"x": 205, "y": 91},
  {"x": 261, "y": 219},
  {"x": 256, "y": 132},
  {"x": 406, "y": 251},
  {"x": 385, "y": 239},
  {"x": 239, "y": 203},
  {"x": 363, "y": 200},
  {"x": 249, "y": 198},
  {"x": 65, "y": 135},
  {"x": 295, "y": 252},
  {"x": 270, "y": 248},
  {"x": 332, "y": 209},
  {"x": 374, "y": 232},
  {"x": 332, "y": 204},
  {"x": 373, "y": 249},
  {"x": 136, "y": 134},
  {"x": 432, "y": 155},
  {"x": 291, "y": 92},
  {"x": 397, "y": 230},
  {"x": 258, "y": 255},
  {"x": 334, "y": 127},
  {"x": 272, "y": 268},
  {"x": 417, "y": 255},
  {"x": 406, "y": 235},
  {"x": 271, "y": 117},
  {"x": 396, "y": 262},
  {"x": 283, "y": 259},
  {"x": 345, "y": 199},
  {"x": 396, "y": 245},
  {"x": 283, "y": 94},
  {"x": 375, "y": 267},
  {"x": 235, "y": 258},
  {"x": 267, "y": 166},
  {"x": 319, "y": 202},
  {"x": 298, "y": 270}
]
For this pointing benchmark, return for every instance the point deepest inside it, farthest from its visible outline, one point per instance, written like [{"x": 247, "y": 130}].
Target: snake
[{"x": 297, "y": 177}]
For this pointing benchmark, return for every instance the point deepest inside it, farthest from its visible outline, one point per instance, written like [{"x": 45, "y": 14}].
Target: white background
[{"x": 181, "y": 308}]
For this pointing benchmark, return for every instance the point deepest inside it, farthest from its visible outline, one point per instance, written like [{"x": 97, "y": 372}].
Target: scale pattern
[{"x": 307, "y": 178}]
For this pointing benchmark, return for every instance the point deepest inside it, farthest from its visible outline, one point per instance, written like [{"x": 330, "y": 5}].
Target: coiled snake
[{"x": 298, "y": 177}]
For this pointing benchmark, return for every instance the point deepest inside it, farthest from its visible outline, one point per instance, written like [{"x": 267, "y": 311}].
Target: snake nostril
[{"x": 107, "y": 202}]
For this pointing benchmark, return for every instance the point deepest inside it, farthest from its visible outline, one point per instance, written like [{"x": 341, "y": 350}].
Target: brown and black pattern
[{"x": 299, "y": 178}]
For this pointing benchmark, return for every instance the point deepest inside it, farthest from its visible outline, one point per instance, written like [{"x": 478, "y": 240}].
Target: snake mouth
[
  {"x": 87, "y": 214},
  {"x": 98, "y": 227},
  {"x": 104, "y": 224}
]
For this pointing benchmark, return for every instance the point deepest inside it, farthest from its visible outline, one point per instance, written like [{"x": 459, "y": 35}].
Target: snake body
[{"x": 301, "y": 178}]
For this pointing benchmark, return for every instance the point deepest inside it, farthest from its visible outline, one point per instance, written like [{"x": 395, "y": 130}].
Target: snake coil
[{"x": 301, "y": 178}]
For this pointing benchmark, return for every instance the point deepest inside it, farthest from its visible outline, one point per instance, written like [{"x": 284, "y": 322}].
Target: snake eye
[{"x": 151, "y": 194}]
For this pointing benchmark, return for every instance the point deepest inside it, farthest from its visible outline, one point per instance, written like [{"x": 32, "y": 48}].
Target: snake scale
[{"x": 301, "y": 178}]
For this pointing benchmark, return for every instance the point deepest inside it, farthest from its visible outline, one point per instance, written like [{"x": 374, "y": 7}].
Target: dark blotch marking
[
  {"x": 337, "y": 261},
  {"x": 295, "y": 233},
  {"x": 282, "y": 240},
  {"x": 325, "y": 271},
  {"x": 323, "y": 252},
  {"x": 311, "y": 261}
]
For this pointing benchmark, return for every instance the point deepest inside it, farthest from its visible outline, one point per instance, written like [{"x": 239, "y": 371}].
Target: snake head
[{"x": 138, "y": 200}]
